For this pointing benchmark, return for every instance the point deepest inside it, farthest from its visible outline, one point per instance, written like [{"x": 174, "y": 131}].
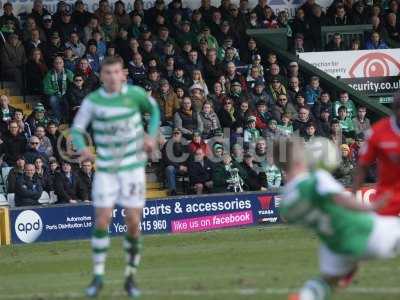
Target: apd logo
[{"x": 28, "y": 226}]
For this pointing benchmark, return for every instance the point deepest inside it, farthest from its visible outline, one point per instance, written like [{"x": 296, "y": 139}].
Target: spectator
[
  {"x": 28, "y": 188},
  {"x": 336, "y": 43},
  {"x": 53, "y": 170},
  {"x": 222, "y": 173},
  {"x": 272, "y": 131},
  {"x": 294, "y": 88},
  {"x": 86, "y": 175},
  {"x": 324, "y": 123},
  {"x": 209, "y": 121},
  {"x": 75, "y": 95},
  {"x": 361, "y": 122},
  {"x": 344, "y": 101},
  {"x": 187, "y": 120},
  {"x": 92, "y": 27},
  {"x": 53, "y": 135},
  {"x": 197, "y": 143},
  {"x": 14, "y": 173},
  {"x": 313, "y": 91},
  {"x": 80, "y": 15},
  {"x": 392, "y": 29},
  {"x": 174, "y": 160},
  {"x": 375, "y": 42},
  {"x": 48, "y": 27},
  {"x": 276, "y": 88},
  {"x": 6, "y": 113},
  {"x": 23, "y": 126},
  {"x": 14, "y": 144},
  {"x": 323, "y": 103},
  {"x": 30, "y": 26},
  {"x": 359, "y": 14},
  {"x": 93, "y": 56},
  {"x": 283, "y": 106},
  {"x": 336, "y": 132},
  {"x": 285, "y": 125},
  {"x": 41, "y": 173},
  {"x": 91, "y": 81},
  {"x": 168, "y": 102},
  {"x": 38, "y": 11},
  {"x": 33, "y": 153},
  {"x": 66, "y": 27},
  {"x": 179, "y": 79},
  {"x": 197, "y": 79},
  {"x": 45, "y": 146},
  {"x": 345, "y": 171},
  {"x": 227, "y": 114},
  {"x": 212, "y": 69},
  {"x": 9, "y": 16},
  {"x": 13, "y": 59},
  {"x": 262, "y": 115},
  {"x": 217, "y": 97},
  {"x": 346, "y": 123},
  {"x": 68, "y": 187},
  {"x": 317, "y": 20},
  {"x": 34, "y": 42},
  {"x": 241, "y": 116},
  {"x": 54, "y": 48},
  {"x": 37, "y": 118},
  {"x": 200, "y": 172},
  {"x": 237, "y": 153},
  {"x": 258, "y": 93},
  {"x": 300, "y": 123},
  {"x": 311, "y": 132},
  {"x": 103, "y": 10},
  {"x": 36, "y": 70},
  {"x": 55, "y": 86},
  {"x": 121, "y": 17},
  {"x": 253, "y": 180},
  {"x": 251, "y": 133},
  {"x": 340, "y": 17}
]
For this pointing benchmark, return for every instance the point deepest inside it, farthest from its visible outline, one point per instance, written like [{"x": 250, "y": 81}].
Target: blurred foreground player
[
  {"x": 382, "y": 145},
  {"x": 115, "y": 114},
  {"x": 348, "y": 231}
]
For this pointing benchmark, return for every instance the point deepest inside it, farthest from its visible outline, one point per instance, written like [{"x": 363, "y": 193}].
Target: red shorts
[{"x": 392, "y": 208}]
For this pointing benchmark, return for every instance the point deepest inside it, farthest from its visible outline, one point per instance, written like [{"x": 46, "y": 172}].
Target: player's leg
[
  {"x": 104, "y": 197},
  {"x": 335, "y": 270},
  {"x": 133, "y": 200},
  {"x": 133, "y": 245}
]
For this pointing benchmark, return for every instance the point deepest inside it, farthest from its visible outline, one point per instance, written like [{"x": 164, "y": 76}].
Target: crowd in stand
[{"x": 206, "y": 74}]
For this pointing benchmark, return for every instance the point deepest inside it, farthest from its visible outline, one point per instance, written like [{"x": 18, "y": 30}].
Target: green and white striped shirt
[{"x": 117, "y": 125}]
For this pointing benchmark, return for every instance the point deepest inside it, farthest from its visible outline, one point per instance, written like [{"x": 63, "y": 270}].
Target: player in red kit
[{"x": 382, "y": 145}]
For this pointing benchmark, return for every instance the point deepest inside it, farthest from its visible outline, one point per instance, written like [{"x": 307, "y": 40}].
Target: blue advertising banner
[{"x": 171, "y": 215}]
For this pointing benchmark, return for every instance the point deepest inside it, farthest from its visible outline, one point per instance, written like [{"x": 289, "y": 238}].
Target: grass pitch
[{"x": 250, "y": 263}]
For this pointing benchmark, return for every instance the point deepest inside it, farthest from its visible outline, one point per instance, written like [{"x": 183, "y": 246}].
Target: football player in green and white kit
[
  {"x": 115, "y": 113},
  {"x": 349, "y": 231}
]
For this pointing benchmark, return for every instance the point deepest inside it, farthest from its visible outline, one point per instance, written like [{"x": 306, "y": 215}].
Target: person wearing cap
[
  {"x": 206, "y": 35},
  {"x": 174, "y": 160},
  {"x": 259, "y": 93},
  {"x": 68, "y": 186},
  {"x": 236, "y": 92},
  {"x": 53, "y": 48},
  {"x": 185, "y": 34},
  {"x": 283, "y": 106},
  {"x": 276, "y": 88},
  {"x": 15, "y": 172},
  {"x": 251, "y": 133},
  {"x": 344, "y": 173},
  {"x": 167, "y": 101},
  {"x": 13, "y": 58},
  {"x": 163, "y": 38},
  {"x": 28, "y": 188},
  {"x": 66, "y": 26}
]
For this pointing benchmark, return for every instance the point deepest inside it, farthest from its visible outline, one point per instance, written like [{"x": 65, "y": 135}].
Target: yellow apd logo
[{"x": 28, "y": 226}]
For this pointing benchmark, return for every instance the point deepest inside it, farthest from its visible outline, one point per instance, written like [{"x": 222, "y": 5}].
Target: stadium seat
[
  {"x": 45, "y": 198},
  {"x": 4, "y": 173},
  {"x": 3, "y": 200},
  {"x": 53, "y": 197},
  {"x": 11, "y": 200}
]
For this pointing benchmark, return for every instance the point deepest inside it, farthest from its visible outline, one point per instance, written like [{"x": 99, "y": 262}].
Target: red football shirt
[{"x": 383, "y": 145}]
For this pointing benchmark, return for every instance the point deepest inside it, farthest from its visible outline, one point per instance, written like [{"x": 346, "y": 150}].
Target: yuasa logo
[
  {"x": 28, "y": 226},
  {"x": 375, "y": 65},
  {"x": 265, "y": 201}
]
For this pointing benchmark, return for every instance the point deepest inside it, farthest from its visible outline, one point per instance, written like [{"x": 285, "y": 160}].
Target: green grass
[{"x": 251, "y": 263}]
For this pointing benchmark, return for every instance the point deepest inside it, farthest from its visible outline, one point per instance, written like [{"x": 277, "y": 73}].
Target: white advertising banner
[
  {"x": 21, "y": 6},
  {"x": 375, "y": 72},
  {"x": 356, "y": 64}
]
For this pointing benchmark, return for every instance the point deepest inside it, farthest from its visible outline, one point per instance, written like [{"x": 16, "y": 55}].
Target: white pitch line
[{"x": 202, "y": 293}]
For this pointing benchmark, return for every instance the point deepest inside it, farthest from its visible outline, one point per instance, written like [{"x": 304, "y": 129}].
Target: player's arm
[
  {"x": 368, "y": 154},
  {"x": 150, "y": 106},
  {"x": 78, "y": 129}
]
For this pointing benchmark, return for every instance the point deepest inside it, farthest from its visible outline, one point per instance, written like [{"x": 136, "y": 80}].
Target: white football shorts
[{"x": 125, "y": 188}]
